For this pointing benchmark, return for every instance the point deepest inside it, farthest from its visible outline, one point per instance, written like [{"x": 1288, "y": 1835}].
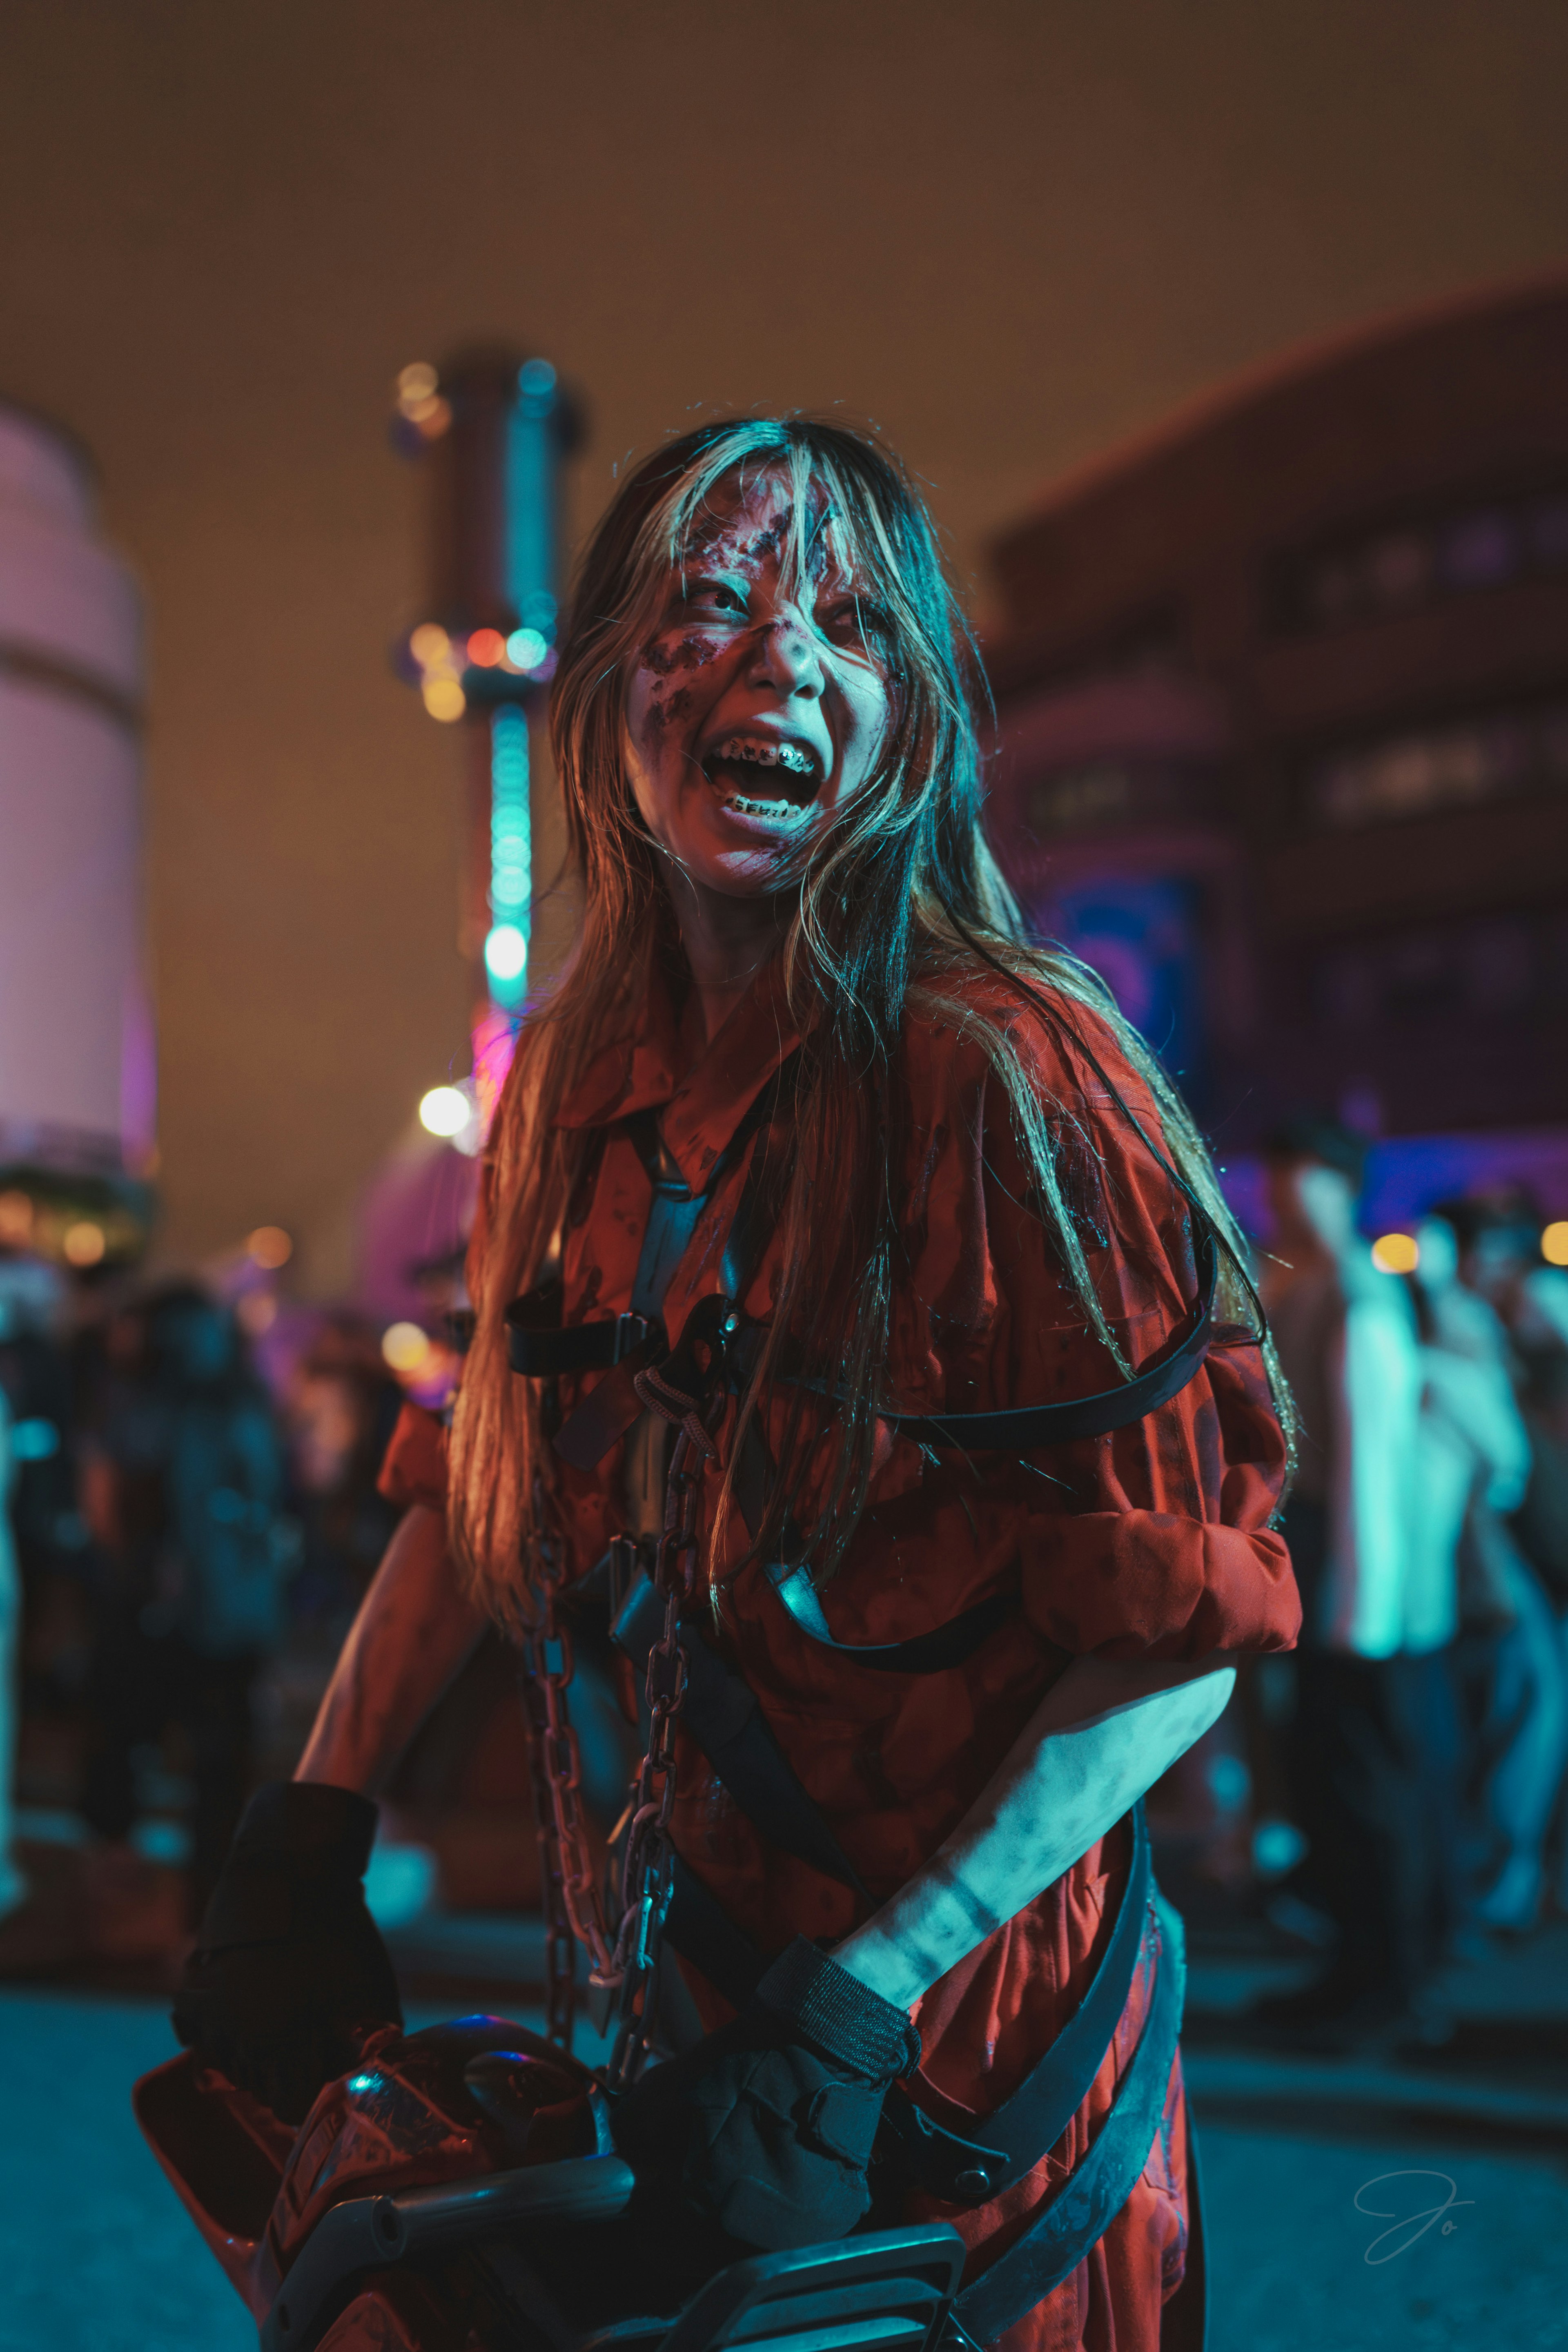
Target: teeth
[
  {"x": 767, "y": 754},
  {"x": 746, "y": 806}
]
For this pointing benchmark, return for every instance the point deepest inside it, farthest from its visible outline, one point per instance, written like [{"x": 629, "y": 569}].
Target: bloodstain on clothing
[{"x": 1151, "y": 1542}]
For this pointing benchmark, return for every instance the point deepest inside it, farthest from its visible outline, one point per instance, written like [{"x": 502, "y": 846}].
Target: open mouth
[{"x": 759, "y": 776}]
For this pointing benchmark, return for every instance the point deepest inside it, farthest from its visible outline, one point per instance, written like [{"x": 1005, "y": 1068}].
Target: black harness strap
[
  {"x": 697, "y": 1925},
  {"x": 621, "y": 1346},
  {"x": 1022, "y": 1429},
  {"x": 1100, "y": 2184},
  {"x": 926, "y": 1654},
  {"x": 1027, "y": 2125},
  {"x": 539, "y": 1347},
  {"x": 721, "y": 1712}
]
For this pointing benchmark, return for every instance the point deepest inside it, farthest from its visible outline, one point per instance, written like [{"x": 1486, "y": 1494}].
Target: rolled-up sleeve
[
  {"x": 1153, "y": 1540},
  {"x": 414, "y": 1468}
]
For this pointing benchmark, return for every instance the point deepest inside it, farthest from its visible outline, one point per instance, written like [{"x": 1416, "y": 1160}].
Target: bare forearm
[
  {"x": 413, "y": 1632},
  {"x": 1102, "y": 1735}
]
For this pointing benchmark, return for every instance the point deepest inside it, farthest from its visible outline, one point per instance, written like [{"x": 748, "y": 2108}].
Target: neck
[{"x": 728, "y": 942}]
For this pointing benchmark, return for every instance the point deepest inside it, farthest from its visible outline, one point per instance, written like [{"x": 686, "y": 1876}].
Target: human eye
[
  {"x": 711, "y": 594},
  {"x": 858, "y": 621}
]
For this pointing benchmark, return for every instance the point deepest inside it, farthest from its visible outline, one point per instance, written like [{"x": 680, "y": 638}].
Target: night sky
[{"x": 1011, "y": 234}]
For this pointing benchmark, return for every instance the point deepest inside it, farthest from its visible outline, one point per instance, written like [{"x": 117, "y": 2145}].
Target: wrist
[
  {"x": 883, "y": 1965},
  {"x": 838, "y": 2014}
]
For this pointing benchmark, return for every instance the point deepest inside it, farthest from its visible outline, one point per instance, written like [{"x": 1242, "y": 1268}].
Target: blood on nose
[{"x": 787, "y": 644}]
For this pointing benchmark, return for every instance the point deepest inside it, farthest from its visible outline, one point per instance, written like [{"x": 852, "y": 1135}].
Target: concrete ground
[{"x": 97, "y": 2256}]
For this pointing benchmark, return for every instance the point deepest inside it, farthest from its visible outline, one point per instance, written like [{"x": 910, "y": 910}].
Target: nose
[{"x": 786, "y": 656}]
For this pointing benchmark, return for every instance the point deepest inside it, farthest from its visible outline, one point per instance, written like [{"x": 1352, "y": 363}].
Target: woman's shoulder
[{"x": 962, "y": 1023}]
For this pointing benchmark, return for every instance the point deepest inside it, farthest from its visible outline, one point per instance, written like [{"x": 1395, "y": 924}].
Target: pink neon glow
[{"x": 494, "y": 1037}]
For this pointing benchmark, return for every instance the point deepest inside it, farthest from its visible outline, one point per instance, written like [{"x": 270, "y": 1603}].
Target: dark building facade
[{"x": 1282, "y": 746}]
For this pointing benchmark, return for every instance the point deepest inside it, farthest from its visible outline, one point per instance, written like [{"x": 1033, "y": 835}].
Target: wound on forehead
[{"x": 808, "y": 538}]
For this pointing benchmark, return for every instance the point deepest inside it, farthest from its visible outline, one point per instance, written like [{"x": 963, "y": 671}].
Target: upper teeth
[{"x": 764, "y": 753}]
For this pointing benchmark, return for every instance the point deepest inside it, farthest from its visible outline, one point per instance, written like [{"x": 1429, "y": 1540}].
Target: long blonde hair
[{"x": 903, "y": 907}]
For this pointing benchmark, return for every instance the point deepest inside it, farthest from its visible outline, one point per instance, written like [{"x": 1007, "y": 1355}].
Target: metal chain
[
  {"x": 647, "y": 1873},
  {"x": 576, "y": 1912},
  {"x": 573, "y": 1906}
]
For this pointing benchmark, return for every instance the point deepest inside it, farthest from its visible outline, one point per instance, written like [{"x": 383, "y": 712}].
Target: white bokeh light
[
  {"x": 444, "y": 1110},
  {"x": 506, "y": 952}
]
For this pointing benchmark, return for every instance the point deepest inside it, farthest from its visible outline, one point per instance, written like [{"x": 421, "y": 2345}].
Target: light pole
[{"x": 493, "y": 426}]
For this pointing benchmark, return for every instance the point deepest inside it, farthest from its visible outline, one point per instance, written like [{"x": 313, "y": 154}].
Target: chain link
[
  {"x": 574, "y": 1905},
  {"x": 623, "y": 1963},
  {"x": 647, "y": 1871}
]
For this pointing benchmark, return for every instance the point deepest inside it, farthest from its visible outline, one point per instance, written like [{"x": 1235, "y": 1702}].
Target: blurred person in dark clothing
[
  {"x": 183, "y": 1487},
  {"x": 341, "y": 1408},
  {"x": 36, "y": 1500},
  {"x": 1372, "y": 1759},
  {"x": 36, "y": 1375}
]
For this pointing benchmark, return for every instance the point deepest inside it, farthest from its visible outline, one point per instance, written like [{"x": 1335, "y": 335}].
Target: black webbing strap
[
  {"x": 925, "y": 1653},
  {"x": 1027, "y": 2125},
  {"x": 539, "y": 1346},
  {"x": 1022, "y": 1429},
  {"x": 721, "y": 1712},
  {"x": 697, "y": 1925},
  {"x": 1100, "y": 2184}
]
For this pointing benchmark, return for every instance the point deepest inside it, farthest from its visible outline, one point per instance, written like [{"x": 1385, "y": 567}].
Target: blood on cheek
[{"x": 669, "y": 701}]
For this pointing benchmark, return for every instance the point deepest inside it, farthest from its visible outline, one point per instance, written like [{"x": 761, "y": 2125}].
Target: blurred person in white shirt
[
  {"x": 1507, "y": 1312},
  {"x": 1374, "y": 1747}
]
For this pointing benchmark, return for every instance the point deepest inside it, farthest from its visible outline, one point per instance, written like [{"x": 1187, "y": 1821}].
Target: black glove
[
  {"x": 288, "y": 1968},
  {"x": 765, "y": 2129}
]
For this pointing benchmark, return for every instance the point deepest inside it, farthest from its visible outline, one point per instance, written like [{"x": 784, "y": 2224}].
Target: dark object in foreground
[
  {"x": 457, "y": 2193},
  {"x": 765, "y": 2129},
  {"x": 290, "y": 1969}
]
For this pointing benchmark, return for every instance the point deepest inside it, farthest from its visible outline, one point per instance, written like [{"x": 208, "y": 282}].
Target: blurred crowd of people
[
  {"x": 174, "y": 1522},
  {"x": 1422, "y": 1758}
]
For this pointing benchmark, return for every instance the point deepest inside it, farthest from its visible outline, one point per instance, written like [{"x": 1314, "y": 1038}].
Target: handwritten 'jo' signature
[{"x": 1413, "y": 2225}]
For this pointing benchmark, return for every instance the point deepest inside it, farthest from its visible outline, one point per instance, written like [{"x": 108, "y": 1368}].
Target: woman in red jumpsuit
[{"x": 800, "y": 972}]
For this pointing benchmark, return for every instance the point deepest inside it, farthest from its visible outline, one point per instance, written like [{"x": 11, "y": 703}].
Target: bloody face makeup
[{"x": 758, "y": 704}]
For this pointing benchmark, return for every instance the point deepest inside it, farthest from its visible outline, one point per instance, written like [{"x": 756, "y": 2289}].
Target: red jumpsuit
[{"x": 1151, "y": 1543}]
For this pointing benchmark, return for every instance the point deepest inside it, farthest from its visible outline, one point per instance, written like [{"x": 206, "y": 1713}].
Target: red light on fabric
[{"x": 486, "y": 647}]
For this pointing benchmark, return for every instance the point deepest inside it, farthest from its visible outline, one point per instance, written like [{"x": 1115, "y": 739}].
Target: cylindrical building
[{"x": 77, "y": 1059}]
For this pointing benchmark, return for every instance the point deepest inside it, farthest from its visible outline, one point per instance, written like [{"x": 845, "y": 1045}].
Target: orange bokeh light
[{"x": 487, "y": 647}]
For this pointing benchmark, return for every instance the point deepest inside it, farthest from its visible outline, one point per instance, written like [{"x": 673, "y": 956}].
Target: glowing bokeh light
[
  {"x": 1554, "y": 1243},
  {"x": 1395, "y": 1254},
  {"x": 16, "y": 1219},
  {"x": 444, "y": 1110},
  {"x": 429, "y": 644},
  {"x": 487, "y": 647},
  {"x": 405, "y": 1346},
  {"x": 417, "y": 382},
  {"x": 444, "y": 698},
  {"x": 505, "y": 952},
  {"x": 527, "y": 647},
  {"x": 269, "y": 1246},
  {"x": 84, "y": 1243}
]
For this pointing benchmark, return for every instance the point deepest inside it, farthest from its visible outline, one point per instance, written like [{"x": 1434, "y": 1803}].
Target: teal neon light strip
[{"x": 511, "y": 844}]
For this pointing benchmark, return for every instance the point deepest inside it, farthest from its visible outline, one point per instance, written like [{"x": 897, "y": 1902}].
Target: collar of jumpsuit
[{"x": 704, "y": 1099}]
